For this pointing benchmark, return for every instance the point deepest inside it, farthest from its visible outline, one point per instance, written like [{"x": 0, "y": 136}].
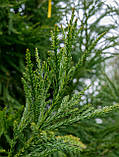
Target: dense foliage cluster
[{"x": 55, "y": 115}]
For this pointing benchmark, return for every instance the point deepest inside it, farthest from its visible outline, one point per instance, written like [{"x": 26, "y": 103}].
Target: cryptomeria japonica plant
[{"x": 50, "y": 101}]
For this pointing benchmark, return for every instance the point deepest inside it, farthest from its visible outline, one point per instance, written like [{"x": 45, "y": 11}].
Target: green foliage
[
  {"x": 53, "y": 122},
  {"x": 105, "y": 136},
  {"x": 37, "y": 132},
  {"x": 24, "y": 24},
  {"x": 90, "y": 132},
  {"x": 90, "y": 15}
]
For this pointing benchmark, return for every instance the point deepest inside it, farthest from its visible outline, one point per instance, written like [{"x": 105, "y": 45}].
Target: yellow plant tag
[{"x": 49, "y": 9}]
